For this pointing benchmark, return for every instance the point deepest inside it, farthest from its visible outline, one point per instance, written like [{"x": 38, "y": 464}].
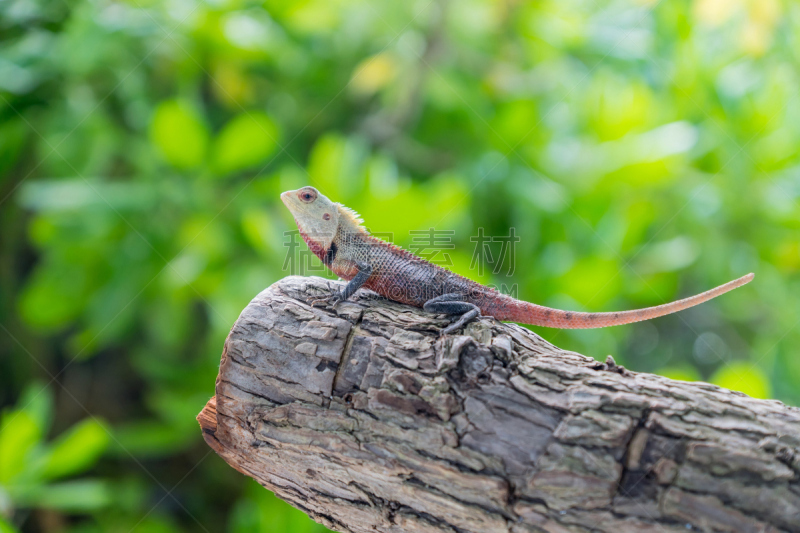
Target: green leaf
[
  {"x": 335, "y": 166},
  {"x": 245, "y": 141},
  {"x": 19, "y": 434},
  {"x": 77, "y": 450},
  {"x": 257, "y": 227},
  {"x": 743, "y": 377},
  {"x": 38, "y": 401},
  {"x": 593, "y": 280},
  {"x": 13, "y": 135},
  {"x": 53, "y": 297},
  {"x": 150, "y": 438},
  {"x": 5, "y": 527},
  {"x": 179, "y": 133},
  {"x": 72, "y": 496},
  {"x": 668, "y": 256}
]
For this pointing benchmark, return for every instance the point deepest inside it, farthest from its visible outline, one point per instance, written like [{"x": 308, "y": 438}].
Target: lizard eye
[{"x": 307, "y": 195}]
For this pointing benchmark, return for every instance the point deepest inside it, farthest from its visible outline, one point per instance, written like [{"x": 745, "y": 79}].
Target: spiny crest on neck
[{"x": 351, "y": 220}]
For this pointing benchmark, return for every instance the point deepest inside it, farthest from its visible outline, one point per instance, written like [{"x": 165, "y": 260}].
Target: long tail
[{"x": 537, "y": 315}]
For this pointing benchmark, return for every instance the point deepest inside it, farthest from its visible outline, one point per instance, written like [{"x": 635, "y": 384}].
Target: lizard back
[{"x": 398, "y": 274}]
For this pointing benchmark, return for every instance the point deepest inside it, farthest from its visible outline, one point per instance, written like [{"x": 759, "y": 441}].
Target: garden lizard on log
[{"x": 336, "y": 235}]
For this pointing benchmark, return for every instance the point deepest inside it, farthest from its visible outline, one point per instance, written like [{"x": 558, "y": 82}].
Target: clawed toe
[
  {"x": 331, "y": 300},
  {"x": 448, "y": 330}
]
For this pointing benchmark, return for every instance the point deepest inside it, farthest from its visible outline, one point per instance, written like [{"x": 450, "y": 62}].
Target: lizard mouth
[{"x": 289, "y": 199}]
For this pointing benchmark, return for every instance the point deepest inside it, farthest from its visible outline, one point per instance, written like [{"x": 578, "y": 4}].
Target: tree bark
[{"x": 365, "y": 419}]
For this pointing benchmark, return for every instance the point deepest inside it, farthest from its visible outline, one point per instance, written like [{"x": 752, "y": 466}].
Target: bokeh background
[{"x": 641, "y": 150}]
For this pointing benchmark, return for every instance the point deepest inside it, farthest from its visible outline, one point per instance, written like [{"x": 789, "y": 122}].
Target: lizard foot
[
  {"x": 331, "y": 300},
  {"x": 461, "y": 322},
  {"x": 449, "y": 329},
  {"x": 452, "y": 304}
]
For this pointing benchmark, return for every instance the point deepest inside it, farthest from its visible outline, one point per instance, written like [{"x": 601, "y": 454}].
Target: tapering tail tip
[{"x": 537, "y": 315}]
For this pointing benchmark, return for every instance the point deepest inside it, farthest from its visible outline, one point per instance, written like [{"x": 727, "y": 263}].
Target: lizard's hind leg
[{"x": 453, "y": 304}]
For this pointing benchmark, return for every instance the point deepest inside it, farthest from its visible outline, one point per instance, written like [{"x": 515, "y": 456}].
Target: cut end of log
[
  {"x": 208, "y": 417},
  {"x": 208, "y": 425},
  {"x": 364, "y": 418}
]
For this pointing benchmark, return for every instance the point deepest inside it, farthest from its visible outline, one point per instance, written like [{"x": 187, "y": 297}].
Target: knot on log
[{"x": 365, "y": 419}]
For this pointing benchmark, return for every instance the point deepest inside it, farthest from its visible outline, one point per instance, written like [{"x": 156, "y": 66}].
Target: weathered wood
[{"x": 365, "y": 419}]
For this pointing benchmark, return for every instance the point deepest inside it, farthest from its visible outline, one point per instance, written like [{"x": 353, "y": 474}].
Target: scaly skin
[{"x": 335, "y": 234}]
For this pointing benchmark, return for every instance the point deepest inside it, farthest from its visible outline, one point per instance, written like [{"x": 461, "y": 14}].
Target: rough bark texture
[{"x": 365, "y": 419}]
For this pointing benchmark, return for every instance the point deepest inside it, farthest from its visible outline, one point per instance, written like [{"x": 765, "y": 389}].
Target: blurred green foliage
[
  {"x": 642, "y": 150},
  {"x": 30, "y": 468}
]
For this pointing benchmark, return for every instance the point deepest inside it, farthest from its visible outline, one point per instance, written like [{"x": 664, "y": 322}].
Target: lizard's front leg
[
  {"x": 453, "y": 304},
  {"x": 361, "y": 277}
]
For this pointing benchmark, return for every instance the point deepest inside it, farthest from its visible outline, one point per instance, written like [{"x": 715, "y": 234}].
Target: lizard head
[{"x": 316, "y": 216}]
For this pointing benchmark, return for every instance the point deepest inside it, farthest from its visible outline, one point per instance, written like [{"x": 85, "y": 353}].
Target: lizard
[{"x": 336, "y": 235}]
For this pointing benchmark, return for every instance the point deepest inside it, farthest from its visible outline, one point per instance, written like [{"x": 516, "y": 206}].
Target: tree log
[{"x": 365, "y": 419}]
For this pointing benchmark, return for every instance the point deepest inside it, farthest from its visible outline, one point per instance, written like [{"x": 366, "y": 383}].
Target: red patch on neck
[{"x": 315, "y": 247}]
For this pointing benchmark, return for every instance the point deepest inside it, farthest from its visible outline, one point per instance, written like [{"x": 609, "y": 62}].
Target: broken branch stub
[{"x": 365, "y": 419}]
